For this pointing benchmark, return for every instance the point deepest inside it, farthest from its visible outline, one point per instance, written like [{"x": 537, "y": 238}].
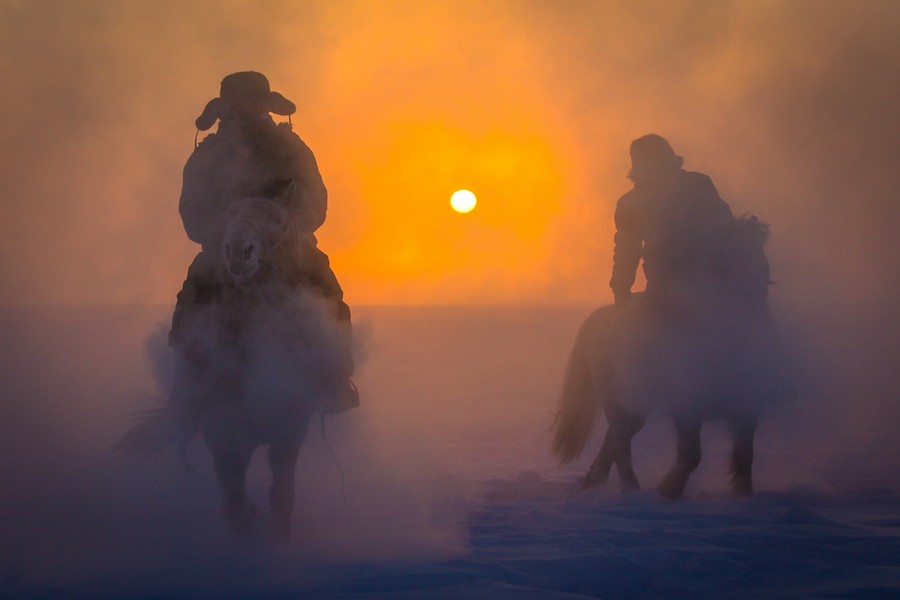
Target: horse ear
[{"x": 283, "y": 191}]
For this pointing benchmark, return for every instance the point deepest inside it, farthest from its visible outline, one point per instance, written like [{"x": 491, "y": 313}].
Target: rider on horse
[
  {"x": 661, "y": 220},
  {"x": 251, "y": 156}
]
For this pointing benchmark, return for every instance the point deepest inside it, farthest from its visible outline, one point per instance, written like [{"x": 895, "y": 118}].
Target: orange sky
[
  {"x": 529, "y": 104},
  {"x": 437, "y": 108}
]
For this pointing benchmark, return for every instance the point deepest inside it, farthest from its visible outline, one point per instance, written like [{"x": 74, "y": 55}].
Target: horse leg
[
  {"x": 598, "y": 474},
  {"x": 743, "y": 431},
  {"x": 231, "y": 468},
  {"x": 623, "y": 426},
  {"x": 283, "y": 460},
  {"x": 686, "y": 461}
]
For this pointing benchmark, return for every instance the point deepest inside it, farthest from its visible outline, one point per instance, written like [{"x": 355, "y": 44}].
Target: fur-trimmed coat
[{"x": 242, "y": 159}]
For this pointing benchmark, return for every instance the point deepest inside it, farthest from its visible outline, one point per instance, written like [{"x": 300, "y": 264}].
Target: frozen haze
[
  {"x": 790, "y": 107},
  {"x": 450, "y": 490}
]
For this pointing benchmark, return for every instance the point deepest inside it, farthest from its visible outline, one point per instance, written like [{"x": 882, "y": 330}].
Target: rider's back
[{"x": 669, "y": 218}]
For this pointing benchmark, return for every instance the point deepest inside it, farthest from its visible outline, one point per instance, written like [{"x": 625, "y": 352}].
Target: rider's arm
[
  {"x": 198, "y": 204},
  {"x": 309, "y": 198},
  {"x": 628, "y": 247}
]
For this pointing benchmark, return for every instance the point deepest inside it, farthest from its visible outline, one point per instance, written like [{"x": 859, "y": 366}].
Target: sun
[{"x": 462, "y": 201}]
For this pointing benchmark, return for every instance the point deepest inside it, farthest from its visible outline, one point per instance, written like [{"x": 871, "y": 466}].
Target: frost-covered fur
[
  {"x": 254, "y": 365},
  {"x": 710, "y": 353}
]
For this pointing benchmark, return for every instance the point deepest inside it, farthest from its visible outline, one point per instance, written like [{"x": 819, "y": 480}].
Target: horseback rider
[
  {"x": 661, "y": 220},
  {"x": 252, "y": 156}
]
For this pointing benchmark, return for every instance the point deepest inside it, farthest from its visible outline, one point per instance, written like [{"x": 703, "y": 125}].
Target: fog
[
  {"x": 441, "y": 478},
  {"x": 790, "y": 107}
]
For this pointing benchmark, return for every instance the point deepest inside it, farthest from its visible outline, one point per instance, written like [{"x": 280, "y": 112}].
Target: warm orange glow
[
  {"x": 531, "y": 105},
  {"x": 409, "y": 250},
  {"x": 436, "y": 115}
]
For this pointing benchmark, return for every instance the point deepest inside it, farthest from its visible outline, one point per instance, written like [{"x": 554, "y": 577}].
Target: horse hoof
[
  {"x": 670, "y": 489},
  {"x": 742, "y": 487},
  {"x": 280, "y": 536},
  {"x": 630, "y": 486},
  {"x": 588, "y": 483},
  {"x": 240, "y": 524},
  {"x": 240, "y": 520}
]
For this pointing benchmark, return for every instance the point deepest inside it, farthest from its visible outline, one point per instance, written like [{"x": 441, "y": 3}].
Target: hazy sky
[{"x": 791, "y": 108}]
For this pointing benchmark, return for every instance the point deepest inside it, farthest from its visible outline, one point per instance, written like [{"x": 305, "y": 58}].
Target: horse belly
[{"x": 277, "y": 387}]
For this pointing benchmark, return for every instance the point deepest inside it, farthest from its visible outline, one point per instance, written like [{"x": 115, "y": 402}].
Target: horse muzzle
[{"x": 242, "y": 259}]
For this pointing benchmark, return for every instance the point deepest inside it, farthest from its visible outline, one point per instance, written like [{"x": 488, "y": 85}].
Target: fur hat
[
  {"x": 248, "y": 87},
  {"x": 651, "y": 155}
]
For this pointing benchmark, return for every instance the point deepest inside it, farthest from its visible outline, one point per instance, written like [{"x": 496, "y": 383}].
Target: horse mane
[
  {"x": 742, "y": 233},
  {"x": 750, "y": 225},
  {"x": 730, "y": 262}
]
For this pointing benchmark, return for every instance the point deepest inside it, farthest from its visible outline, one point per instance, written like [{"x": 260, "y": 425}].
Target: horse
[
  {"x": 255, "y": 363},
  {"x": 708, "y": 351}
]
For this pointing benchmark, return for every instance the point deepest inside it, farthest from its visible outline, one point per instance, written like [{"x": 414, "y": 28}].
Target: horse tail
[
  {"x": 579, "y": 403},
  {"x": 155, "y": 430}
]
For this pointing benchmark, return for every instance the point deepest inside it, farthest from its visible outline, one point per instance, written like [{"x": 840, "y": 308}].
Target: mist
[
  {"x": 786, "y": 105},
  {"x": 790, "y": 108}
]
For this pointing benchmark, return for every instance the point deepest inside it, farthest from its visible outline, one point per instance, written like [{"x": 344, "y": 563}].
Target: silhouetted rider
[
  {"x": 252, "y": 156},
  {"x": 661, "y": 220}
]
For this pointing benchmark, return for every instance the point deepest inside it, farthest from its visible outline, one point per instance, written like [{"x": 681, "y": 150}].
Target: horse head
[{"x": 255, "y": 228}]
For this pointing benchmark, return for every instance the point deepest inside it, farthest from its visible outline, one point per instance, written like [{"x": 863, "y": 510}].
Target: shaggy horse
[
  {"x": 708, "y": 352},
  {"x": 257, "y": 357}
]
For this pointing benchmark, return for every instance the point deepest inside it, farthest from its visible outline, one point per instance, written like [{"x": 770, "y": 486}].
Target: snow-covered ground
[{"x": 441, "y": 485}]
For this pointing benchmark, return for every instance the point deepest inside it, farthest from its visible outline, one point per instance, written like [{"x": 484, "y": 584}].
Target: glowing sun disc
[{"x": 462, "y": 201}]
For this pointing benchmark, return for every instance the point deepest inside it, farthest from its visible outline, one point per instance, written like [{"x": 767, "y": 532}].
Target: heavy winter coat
[
  {"x": 662, "y": 222},
  {"x": 250, "y": 159}
]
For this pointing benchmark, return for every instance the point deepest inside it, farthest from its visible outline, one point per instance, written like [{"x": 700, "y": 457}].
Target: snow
[{"x": 448, "y": 488}]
